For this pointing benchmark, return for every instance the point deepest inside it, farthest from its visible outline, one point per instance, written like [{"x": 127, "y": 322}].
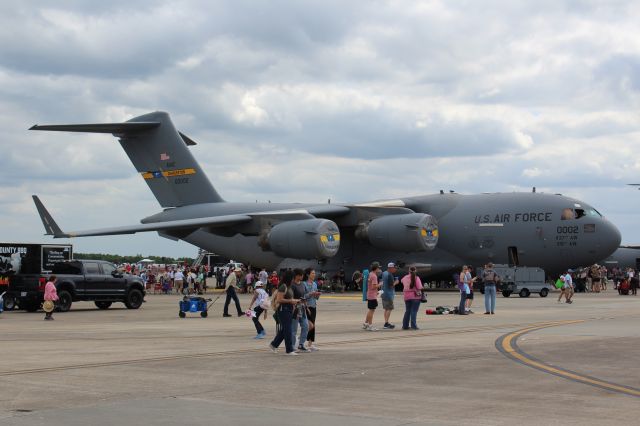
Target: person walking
[
  {"x": 283, "y": 305},
  {"x": 299, "y": 315},
  {"x": 490, "y": 280},
  {"x": 412, "y": 290},
  {"x": 230, "y": 287},
  {"x": 312, "y": 300},
  {"x": 259, "y": 305},
  {"x": 389, "y": 282},
  {"x": 50, "y": 298},
  {"x": 463, "y": 284},
  {"x": 372, "y": 297}
]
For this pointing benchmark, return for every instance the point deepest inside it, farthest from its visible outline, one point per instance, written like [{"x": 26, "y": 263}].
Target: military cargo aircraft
[{"x": 436, "y": 233}]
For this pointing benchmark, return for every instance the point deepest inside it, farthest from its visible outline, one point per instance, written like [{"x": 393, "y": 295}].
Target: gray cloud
[{"x": 306, "y": 101}]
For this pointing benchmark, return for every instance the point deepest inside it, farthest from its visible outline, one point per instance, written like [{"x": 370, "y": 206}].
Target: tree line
[{"x": 118, "y": 259}]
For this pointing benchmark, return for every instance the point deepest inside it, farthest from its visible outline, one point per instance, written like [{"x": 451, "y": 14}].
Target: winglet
[{"x": 50, "y": 225}]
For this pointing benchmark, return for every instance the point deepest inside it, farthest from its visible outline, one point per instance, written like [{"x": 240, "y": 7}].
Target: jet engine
[
  {"x": 402, "y": 232},
  {"x": 303, "y": 239}
]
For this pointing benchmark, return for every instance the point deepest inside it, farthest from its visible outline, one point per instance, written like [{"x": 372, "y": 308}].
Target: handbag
[
  {"x": 48, "y": 306},
  {"x": 423, "y": 296}
]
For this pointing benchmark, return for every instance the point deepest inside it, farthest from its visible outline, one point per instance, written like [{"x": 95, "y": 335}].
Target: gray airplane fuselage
[{"x": 524, "y": 228}]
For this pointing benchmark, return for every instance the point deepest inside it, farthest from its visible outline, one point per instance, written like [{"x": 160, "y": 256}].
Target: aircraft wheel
[
  {"x": 544, "y": 292},
  {"x": 182, "y": 314},
  {"x": 506, "y": 293},
  {"x": 524, "y": 293},
  {"x": 204, "y": 314}
]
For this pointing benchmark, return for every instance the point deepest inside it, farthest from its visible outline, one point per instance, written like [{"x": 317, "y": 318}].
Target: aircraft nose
[{"x": 609, "y": 239}]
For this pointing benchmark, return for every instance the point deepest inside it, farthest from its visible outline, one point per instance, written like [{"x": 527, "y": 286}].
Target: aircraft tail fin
[
  {"x": 160, "y": 154},
  {"x": 50, "y": 225}
]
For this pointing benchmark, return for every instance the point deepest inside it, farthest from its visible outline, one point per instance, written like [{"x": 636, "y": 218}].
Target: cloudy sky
[{"x": 306, "y": 101}]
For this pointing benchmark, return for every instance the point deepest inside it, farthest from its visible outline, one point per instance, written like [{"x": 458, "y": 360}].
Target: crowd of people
[{"x": 292, "y": 295}]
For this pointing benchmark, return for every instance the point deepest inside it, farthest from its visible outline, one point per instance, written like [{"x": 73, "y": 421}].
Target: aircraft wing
[{"x": 52, "y": 227}]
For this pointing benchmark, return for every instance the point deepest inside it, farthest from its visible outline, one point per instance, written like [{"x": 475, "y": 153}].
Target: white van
[{"x": 521, "y": 280}]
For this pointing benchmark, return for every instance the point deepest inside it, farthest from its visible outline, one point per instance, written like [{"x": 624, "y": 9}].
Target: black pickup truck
[{"x": 88, "y": 280}]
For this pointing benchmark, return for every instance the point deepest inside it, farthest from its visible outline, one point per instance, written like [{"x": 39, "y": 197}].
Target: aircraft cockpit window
[
  {"x": 579, "y": 213},
  {"x": 568, "y": 214},
  {"x": 594, "y": 213}
]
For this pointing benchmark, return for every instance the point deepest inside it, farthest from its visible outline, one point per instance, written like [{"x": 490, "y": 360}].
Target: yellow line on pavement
[{"x": 507, "y": 344}]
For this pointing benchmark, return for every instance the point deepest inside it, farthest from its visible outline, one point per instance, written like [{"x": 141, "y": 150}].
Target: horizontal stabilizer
[{"x": 115, "y": 128}]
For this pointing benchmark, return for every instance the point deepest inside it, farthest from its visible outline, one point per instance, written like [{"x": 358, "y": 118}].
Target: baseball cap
[
  {"x": 391, "y": 265},
  {"x": 259, "y": 284}
]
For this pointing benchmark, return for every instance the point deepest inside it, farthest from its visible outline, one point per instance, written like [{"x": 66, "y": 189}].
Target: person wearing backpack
[{"x": 490, "y": 279}]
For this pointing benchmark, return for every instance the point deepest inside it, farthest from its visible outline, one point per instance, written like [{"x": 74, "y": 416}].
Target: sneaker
[
  {"x": 240, "y": 314},
  {"x": 371, "y": 328},
  {"x": 415, "y": 328},
  {"x": 291, "y": 353},
  {"x": 487, "y": 313},
  {"x": 259, "y": 336},
  {"x": 470, "y": 311},
  {"x": 302, "y": 349},
  {"x": 493, "y": 313},
  {"x": 389, "y": 326},
  {"x": 313, "y": 348},
  {"x": 226, "y": 315},
  {"x": 365, "y": 325},
  {"x": 273, "y": 348}
]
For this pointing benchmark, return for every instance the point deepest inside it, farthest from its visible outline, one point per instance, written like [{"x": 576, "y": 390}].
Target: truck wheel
[
  {"x": 102, "y": 304},
  {"x": 134, "y": 299},
  {"x": 506, "y": 293},
  {"x": 30, "y": 306},
  {"x": 9, "y": 303},
  {"x": 64, "y": 301},
  {"x": 524, "y": 293},
  {"x": 544, "y": 292}
]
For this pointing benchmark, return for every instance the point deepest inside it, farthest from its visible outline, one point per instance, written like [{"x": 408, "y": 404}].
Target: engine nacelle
[
  {"x": 303, "y": 239},
  {"x": 402, "y": 232}
]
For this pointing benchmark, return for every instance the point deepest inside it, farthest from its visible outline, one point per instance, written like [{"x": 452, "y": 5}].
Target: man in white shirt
[
  {"x": 178, "y": 279},
  {"x": 230, "y": 287}
]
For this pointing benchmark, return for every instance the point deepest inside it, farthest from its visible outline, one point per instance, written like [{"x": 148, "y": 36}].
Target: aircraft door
[{"x": 513, "y": 256}]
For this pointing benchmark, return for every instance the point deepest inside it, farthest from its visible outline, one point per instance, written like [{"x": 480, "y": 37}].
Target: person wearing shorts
[
  {"x": 372, "y": 297},
  {"x": 388, "y": 291}
]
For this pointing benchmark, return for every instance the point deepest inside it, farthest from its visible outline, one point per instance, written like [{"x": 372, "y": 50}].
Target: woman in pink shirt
[
  {"x": 372, "y": 297},
  {"x": 50, "y": 295},
  {"x": 412, "y": 295}
]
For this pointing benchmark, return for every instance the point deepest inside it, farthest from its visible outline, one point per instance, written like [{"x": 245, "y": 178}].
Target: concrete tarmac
[{"x": 535, "y": 362}]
